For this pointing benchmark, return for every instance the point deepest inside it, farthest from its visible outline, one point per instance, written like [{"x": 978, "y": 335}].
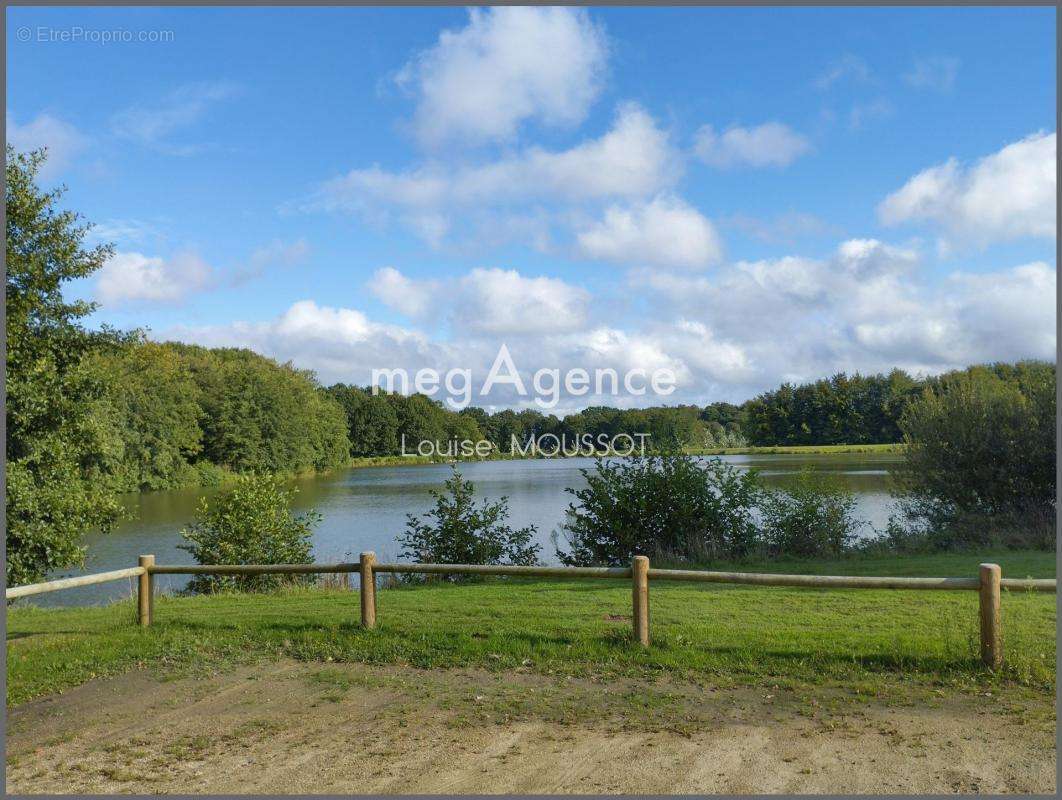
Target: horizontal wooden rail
[
  {"x": 821, "y": 581},
  {"x": 498, "y": 569},
  {"x": 1030, "y": 584},
  {"x": 251, "y": 569},
  {"x": 71, "y": 583}
]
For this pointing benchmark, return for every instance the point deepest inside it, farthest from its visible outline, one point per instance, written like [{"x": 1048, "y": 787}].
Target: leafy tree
[
  {"x": 670, "y": 506},
  {"x": 58, "y": 440},
  {"x": 457, "y": 531},
  {"x": 250, "y": 523},
  {"x": 980, "y": 455},
  {"x": 260, "y": 416},
  {"x": 153, "y": 404}
]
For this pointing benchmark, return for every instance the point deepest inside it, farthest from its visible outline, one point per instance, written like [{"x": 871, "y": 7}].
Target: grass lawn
[
  {"x": 722, "y": 635},
  {"x": 799, "y": 449}
]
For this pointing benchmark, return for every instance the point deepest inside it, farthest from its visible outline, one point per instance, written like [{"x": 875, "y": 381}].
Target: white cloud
[
  {"x": 504, "y": 301},
  {"x": 62, "y": 139},
  {"x": 1006, "y": 195},
  {"x": 152, "y": 125},
  {"x": 867, "y": 308},
  {"x": 409, "y": 297},
  {"x": 665, "y": 231},
  {"x": 508, "y": 65},
  {"x": 769, "y": 145},
  {"x": 974, "y": 317},
  {"x": 133, "y": 277},
  {"x": 935, "y": 72},
  {"x": 632, "y": 160},
  {"x": 744, "y": 329},
  {"x": 493, "y": 301}
]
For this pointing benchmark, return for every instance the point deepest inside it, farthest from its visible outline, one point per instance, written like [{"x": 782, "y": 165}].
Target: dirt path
[{"x": 303, "y": 728}]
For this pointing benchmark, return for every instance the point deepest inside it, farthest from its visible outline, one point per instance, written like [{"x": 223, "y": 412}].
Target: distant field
[
  {"x": 810, "y": 449},
  {"x": 734, "y": 634},
  {"x": 804, "y": 449}
]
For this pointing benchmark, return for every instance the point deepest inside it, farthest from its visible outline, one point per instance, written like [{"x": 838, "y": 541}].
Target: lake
[{"x": 365, "y": 508}]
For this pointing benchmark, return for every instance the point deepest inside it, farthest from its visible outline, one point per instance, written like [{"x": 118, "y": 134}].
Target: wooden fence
[{"x": 988, "y": 584}]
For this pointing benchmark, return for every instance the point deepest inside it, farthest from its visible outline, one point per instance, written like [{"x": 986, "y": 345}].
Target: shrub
[
  {"x": 456, "y": 531},
  {"x": 671, "y": 506},
  {"x": 250, "y": 523},
  {"x": 810, "y": 518}
]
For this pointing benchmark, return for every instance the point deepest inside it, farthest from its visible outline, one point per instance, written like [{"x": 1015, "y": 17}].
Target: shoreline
[{"x": 810, "y": 449}]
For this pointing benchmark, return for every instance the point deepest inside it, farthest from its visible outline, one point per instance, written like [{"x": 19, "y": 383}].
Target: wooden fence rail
[{"x": 988, "y": 585}]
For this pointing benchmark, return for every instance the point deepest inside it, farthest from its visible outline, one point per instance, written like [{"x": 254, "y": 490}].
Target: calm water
[{"x": 364, "y": 509}]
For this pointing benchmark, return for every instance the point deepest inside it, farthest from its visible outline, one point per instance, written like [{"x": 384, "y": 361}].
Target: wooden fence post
[
  {"x": 991, "y": 627},
  {"x": 368, "y": 590},
  {"x": 145, "y": 591},
  {"x": 640, "y": 591}
]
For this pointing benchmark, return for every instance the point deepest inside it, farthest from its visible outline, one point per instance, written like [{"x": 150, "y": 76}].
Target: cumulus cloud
[
  {"x": 494, "y": 301},
  {"x": 406, "y": 296},
  {"x": 130, "y": 277},
  {"x": 769, "y": 145},
  {"x": 935, "y": 72},
  {"x": 63, "y": 141},
  {"x": 508, "y": 65},
  {"x": 865, "y": 309},
  {"x": 153, "y": 124},
  {"x": 728, "y": 335},
  {"x": 633, "y": 159},
  {"x": 1006, "y": 195},
  {"x": 665, "y": 231},
  {"x": 133, "y": 277}
]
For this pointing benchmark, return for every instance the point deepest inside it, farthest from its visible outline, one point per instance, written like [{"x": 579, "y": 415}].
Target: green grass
[
  {"x": 710, "y": 633},
  {"x": 802, "y": 449},
  {"x": 810, "y": 449}
]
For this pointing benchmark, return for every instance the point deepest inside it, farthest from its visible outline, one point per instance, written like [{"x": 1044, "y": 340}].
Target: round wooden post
[
  {"x": 145, "y": 600},
  {"x": 991, "y": 627},
  {"x": 368, "y": 590},
  {"x": 640, "y": 591}
]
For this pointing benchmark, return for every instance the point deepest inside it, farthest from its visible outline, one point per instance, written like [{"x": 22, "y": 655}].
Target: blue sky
[{"x": 738, "y": 196}]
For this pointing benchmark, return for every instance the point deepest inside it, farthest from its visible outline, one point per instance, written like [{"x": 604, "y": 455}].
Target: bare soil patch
[{"x": 294, "y": 727}]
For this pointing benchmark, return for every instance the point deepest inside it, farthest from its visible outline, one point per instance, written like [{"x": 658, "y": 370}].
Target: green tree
[
  {"x": 249, "y": 523},
  {"x": 457, "y": 531},
  {"x": 980, "y": 455},
  {"x": 58, "y": 440},
  {"x": 153, "y": 404},
  {"x": 260, "y": 416}
]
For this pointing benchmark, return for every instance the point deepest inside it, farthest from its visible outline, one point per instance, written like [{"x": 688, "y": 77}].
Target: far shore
[{"x": 810, "y": 450}]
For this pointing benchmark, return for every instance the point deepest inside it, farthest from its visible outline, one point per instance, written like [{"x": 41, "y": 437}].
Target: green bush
[
  {"x": 250, "y": 523},
  {"x": 810, "y": 518},
  {"x": 668, "y": 506},
  {"x": 456, "y": 531},
  {"x": 979, "y": 465}
]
